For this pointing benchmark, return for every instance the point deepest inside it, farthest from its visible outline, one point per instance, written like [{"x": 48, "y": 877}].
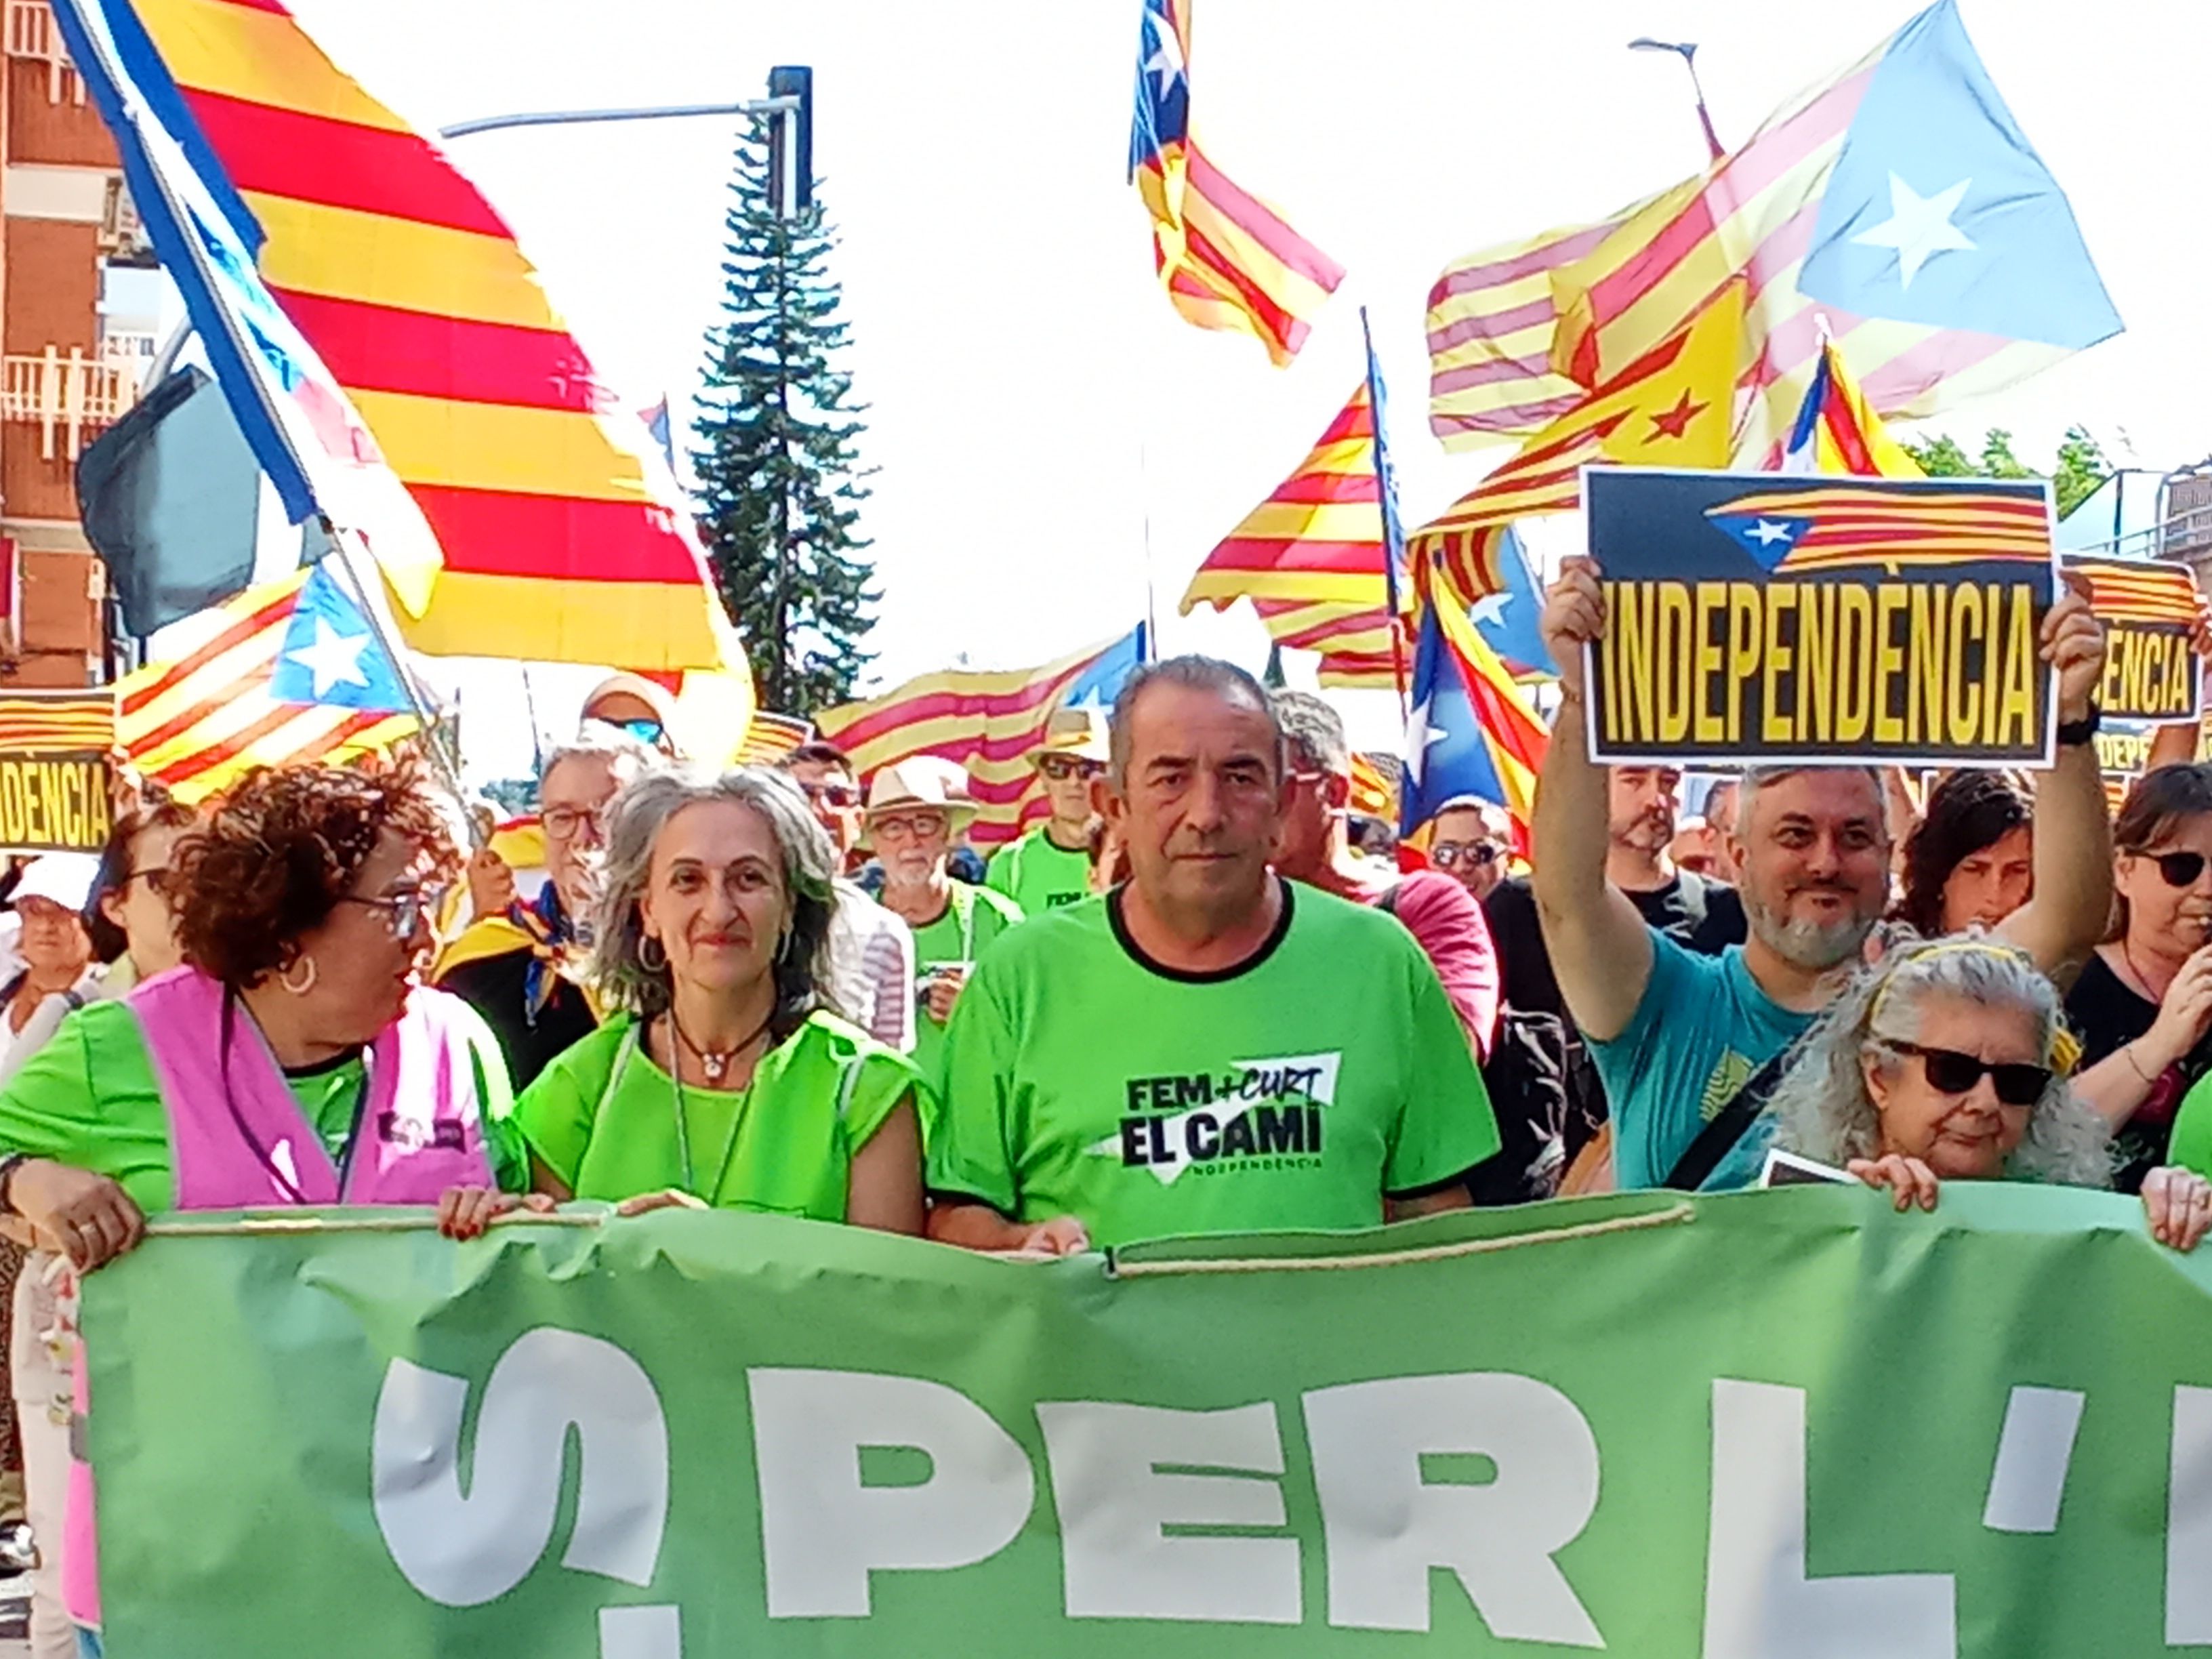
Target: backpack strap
[
  {"x": 1388, "y": 904},
  {"x": 1727, "y": 1126}
]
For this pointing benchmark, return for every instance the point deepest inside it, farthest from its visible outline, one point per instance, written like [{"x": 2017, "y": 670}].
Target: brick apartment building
[{"x": 74, "y": 269}]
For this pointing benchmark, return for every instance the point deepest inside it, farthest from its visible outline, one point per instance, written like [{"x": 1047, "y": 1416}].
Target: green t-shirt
[
  {"x": 602, "y": 1117},
  {"x": 1039, "y": 876},
  {"x": 1293, "y": 1092},
  {"x": 90, "y": 1099},
  {"x": 975, "y": 917}
]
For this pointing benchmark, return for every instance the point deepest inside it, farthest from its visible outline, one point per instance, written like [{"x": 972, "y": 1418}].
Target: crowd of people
[{"x": 1186, "y": 1001}]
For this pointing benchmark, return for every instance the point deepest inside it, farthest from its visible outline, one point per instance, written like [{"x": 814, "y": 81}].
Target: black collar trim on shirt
[
  {"x": 1190, "y": 976},
  {"x": 321, "y": 1066}
]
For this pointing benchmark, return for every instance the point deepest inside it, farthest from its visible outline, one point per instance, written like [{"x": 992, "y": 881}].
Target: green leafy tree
[
  {"x": 2081, "y": 466},
  {"x": 780, "y": 481}
]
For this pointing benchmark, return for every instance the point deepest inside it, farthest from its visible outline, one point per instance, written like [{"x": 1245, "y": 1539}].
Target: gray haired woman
[
  {"x": 721, "y": 1078},
  {"x": 1946, "y": 1062}
]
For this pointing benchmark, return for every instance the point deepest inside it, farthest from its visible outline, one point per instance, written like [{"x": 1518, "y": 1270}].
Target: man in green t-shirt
[
  {"x": 1207, "y": 1048},
  {"x": 916, "y": 807},
  {"x": 1050, "y": 866}
]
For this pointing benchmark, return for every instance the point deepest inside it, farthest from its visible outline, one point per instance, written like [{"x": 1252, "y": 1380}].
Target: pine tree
[{"x": 780, "y": 482}]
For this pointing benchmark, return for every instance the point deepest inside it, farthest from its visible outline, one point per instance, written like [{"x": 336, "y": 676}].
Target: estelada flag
[{"x": 562, "y": 533}]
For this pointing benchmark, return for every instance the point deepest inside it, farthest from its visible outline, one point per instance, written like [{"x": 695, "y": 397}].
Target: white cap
[{"x": 64, "y": 878}]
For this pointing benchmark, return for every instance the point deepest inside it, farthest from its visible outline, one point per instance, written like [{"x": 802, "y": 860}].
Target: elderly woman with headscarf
[
  {"x": 1945, "y": 1061},
  {"x": 723, "y": 1078}
]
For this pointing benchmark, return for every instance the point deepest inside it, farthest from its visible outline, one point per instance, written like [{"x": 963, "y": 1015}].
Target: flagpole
[
  {"x": 372, "y": 607},
  {"x": 1394, "y": 539}
]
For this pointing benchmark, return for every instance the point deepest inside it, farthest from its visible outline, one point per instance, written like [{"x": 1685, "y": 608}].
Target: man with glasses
[
  {"x": 1472, "y": 840},
  {"x": 1050, "y": 865},
  {"x": 1211, "y": 1049},
  {"x": 1691, "y": 1047},
  {"x": 516, "y": 968},
  {"x": 1444, "y": 920},
  {"x": 915, "y": 810},
  {"x": 870, "y": 950}
]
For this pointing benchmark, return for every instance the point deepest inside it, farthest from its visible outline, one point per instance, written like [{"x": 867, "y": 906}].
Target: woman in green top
[{"x": 723, "y": 1079}]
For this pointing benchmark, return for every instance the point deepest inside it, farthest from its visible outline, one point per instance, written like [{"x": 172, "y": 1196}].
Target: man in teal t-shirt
[
  {"x": 1208, "y": 1049},
  {"x": 1050, "y": 866}
]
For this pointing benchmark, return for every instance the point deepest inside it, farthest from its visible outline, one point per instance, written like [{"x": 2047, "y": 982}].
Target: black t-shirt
[
  {"x": 493, "y": 986},
  {"x": 2107, "y": 1015}
]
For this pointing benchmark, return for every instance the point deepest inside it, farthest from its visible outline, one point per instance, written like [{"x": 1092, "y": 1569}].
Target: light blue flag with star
[
  {"x": 1508, "y": 620},
  {"x": 1940, "y": 212},
  {"x": 330, "y": 654}
]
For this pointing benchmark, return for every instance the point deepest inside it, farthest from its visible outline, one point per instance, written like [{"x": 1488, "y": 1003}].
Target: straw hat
[
  {"x": 922, "y": 781},
  {"x": 1080, "y": 732}
]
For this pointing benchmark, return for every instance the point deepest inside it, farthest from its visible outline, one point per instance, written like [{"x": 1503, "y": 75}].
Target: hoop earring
[
  {"x": 305, "y": 985},
  {"x": 648, "y": 948}
]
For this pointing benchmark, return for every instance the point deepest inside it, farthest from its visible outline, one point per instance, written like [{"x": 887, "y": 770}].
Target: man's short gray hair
[
  {"x": 635, "y": 821},
  {"x": 597, "y": 740},
  {"x": 1313, "y": 730},
  {"x": 1224, "y": 680},
  {"x": 1823, "y": 1109},
  {"x": 1758, "y": 778}
]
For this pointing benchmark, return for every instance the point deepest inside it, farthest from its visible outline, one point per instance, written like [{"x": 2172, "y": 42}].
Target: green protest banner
[
  {"x": 1757, "y": 617},
  {"x": 1770, "y": 1425}
]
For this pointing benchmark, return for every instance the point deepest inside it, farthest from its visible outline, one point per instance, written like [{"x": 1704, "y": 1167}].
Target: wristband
[{"x": 2074, "y": 733}]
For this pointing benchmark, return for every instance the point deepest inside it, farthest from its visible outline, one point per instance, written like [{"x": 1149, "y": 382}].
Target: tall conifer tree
[{"x": 779, "y": 482}]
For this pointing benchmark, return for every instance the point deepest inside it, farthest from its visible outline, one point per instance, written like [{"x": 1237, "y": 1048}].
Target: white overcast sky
[{"x": 1046, "y": 431}]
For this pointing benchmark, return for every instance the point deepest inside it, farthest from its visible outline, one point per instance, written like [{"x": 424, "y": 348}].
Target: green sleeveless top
[{"x": 603, "y": 1118}]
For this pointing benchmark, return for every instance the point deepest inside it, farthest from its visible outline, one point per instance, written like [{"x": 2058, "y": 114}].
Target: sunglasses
[
  {"x": 2176, "y": 869},
  {"x": 645, "y": 730},
  {"x": 1061, "y": 768},
  {"x": 830, "y": 794},
  {"x": 1447, "y": 854},
  {"x": 1951, "y": 1072}
]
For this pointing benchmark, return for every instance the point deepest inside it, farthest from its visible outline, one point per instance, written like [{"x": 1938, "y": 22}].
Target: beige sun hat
[
  {"x": 1078, "y": 731},
  {"x": 922, "y": 781}
]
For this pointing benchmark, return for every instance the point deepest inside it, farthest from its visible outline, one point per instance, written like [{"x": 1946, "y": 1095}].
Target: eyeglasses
[
  {"x": 562, "y": 822},
  {"x": 1951, "y": 1072},
  {"x": 909, "y": 826},
  {"x": 1061, "y": 768},
  {"x": 1447, "y": 854},
  {"x": 830, "y": 794},
  {"x": 644, "y": 729},
  {"x": 2176, "y": 869},
  {"x": 405, "y": 914},
  {"x": 157, "y": 881}
]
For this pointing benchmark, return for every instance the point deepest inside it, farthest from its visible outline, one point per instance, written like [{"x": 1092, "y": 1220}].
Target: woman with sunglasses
[
  {"x": 2142, "y": 1005},
  {"x": 290, "y": 1061},
  {"x": 1945, "y": 1061}
]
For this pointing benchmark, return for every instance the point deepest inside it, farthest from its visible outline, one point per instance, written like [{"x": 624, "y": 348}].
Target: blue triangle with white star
[
  {"x": 1447, "y": 756},
  {"x": 1767, "y": 536},
  {"x": 330, "y": 654}
]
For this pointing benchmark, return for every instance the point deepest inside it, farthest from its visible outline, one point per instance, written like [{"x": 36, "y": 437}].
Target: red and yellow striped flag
[
  {"x": 199, "y": 720},
  {"x": 1672, "y": 407},
  {"x": 1836, "y": 525},
  {"x": 1311, "y": 557},
  {"x": 769, "y": 737},
  {"x": 563, "y": 535},
  {"x": 989, "y": 723},
  {"x": 2138, "y": 590},
  {"x": 1227, "y": 260}
]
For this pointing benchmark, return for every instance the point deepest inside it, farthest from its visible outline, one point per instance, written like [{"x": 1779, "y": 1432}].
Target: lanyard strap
[{"x": 262, "y": 1155}]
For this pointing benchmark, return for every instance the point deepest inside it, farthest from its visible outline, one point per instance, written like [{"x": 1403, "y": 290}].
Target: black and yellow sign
[
  {"x": 2152, "y": 671},
  {"x": 1755, "y": 618},
  {"x": 55, "y": 782}
]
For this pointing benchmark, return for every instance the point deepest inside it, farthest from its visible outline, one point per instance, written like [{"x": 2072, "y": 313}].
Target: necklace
[
  {"x": 2142, "y": 978},
  {"x": 716, "y": 1063},
  {"x": 714, "y": 1066}
]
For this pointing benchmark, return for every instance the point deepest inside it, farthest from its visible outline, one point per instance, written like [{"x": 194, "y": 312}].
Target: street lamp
[{"x": 1687, "y": 52}]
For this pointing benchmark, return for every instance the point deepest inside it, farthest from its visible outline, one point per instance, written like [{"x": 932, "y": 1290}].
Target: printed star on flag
[
  {"x": 1166, "y": 61},
  {"x": 333, "y": 659},
  {"x": 1673, "y": 423},
  {"x": 1919, "y": 226}
]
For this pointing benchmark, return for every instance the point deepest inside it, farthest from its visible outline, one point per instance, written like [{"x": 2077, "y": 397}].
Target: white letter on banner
[
  {"x": 1115, "y": 1506},
  {"x": 1385, "y": 1527},
  {"x": 1759, "y": 1603},
  {"x": 823, "y": 1531},
  {"x": 2189, "y": 1522},
  {"x": 464, "y": 1550}
]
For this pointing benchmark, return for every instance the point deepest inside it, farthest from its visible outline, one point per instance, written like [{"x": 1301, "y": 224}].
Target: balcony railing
[
  {"x": 31, "y": 33},
  {"x": 66, "y": 397}
]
